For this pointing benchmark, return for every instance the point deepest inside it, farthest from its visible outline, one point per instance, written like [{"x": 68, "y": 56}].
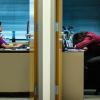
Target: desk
[
  {"x": 72, "y": 75},
  {"x": 14, "y": 71}
]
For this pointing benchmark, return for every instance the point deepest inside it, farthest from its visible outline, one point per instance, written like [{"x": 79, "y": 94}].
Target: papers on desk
[
  {"x": 75, "y": 50},
  {"x": 20, "y": 49},
  {"x": 7, "y": 49},
  {"x": 15, "y": 49}
]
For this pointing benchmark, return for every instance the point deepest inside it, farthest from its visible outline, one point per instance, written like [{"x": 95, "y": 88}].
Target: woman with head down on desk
[{"x": 91, "y": 43}]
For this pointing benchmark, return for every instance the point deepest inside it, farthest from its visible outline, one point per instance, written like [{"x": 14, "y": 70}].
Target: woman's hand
[
  {"x": 85, "y": 48},
  {"x": 75, "y": 46}
]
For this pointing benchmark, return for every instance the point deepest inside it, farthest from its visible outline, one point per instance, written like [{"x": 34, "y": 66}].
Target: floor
[
  {"x": 86, "y": 98},
  {"x": 93, "y": 97}
]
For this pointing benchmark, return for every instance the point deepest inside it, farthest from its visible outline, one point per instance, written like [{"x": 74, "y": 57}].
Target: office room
[
  {"x": 81, "y": 17},
  {"x": 16, "y": 49}
]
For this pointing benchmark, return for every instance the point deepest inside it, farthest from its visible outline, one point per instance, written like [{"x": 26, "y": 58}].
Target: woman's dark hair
[{"x": 79, "y": 37}]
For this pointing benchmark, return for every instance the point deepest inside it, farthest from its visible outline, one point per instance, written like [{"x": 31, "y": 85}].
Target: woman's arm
[
  {"x": 84, "y": 43},
  {"x": 10, "y": 46},
  {"x": 6, "y": 46}
]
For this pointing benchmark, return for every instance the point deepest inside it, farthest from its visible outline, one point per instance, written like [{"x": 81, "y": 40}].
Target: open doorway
[{"x": 81, "y": 17}]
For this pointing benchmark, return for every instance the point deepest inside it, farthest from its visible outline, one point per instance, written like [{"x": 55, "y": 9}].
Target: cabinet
[
  {"x": 15, "y": 72},
  {"x": 72, "y": 75}
]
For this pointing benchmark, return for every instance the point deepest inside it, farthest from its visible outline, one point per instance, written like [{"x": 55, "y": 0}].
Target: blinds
[{"x": 14, "y": 15}]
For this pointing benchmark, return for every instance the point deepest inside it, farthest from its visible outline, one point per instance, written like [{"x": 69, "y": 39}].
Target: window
[{"x": 14, "y": 15}]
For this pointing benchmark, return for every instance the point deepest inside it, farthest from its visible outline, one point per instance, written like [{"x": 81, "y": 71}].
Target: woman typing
[{"x": 4, "y": 44}]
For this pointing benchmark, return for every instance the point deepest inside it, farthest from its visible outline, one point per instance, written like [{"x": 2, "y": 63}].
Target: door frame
[
  {"x": 34, "y": 57},
  {"x": 35, "y": 48},
  {"x": 59, "y": 49}
]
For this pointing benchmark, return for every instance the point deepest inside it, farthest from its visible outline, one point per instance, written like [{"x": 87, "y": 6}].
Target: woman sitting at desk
[
  {"x": 91, "y": 41},
  {"x": 4, "y": 44}
]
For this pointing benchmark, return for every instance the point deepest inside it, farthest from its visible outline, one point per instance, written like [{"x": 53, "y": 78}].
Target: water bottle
[
  {"x": 69, "y": 43},
  {"x": 13, "y": 36}
]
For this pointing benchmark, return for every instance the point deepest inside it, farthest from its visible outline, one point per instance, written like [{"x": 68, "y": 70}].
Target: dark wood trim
[
  {"x": 17, "y": 94},
  {"x": 8, "y": 51},
  {"x": 58, "y": 75}
]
